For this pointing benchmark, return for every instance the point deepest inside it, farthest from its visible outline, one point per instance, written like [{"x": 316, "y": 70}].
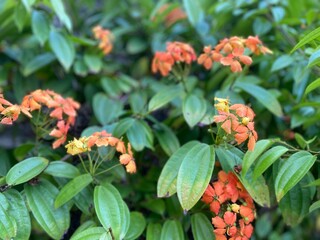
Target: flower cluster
[
  {"x": 105, "y": 37},
  {"x": 99, "y": 139},
  {"x": 176, "y": 52},
  {"x": 237, "y": 121},
  {"x": 231, "y": 52},
  {"x": 10, "y": 112},
  {"x": 233, "y": 208}
]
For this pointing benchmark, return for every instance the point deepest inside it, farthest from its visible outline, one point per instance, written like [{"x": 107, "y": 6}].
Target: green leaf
[
  {"x": 136, "y": 45},
  {"x": 194, "y": 11},
  {"x": 138, "y": 101},
  {"x": 40, "y": 26},
  {"x": 8, "y": 225},
  {"x": 92, "y": 233},
  {"x": 167, "y": 182},
  {"x": 123, "y": 126},
  {"x": 167, "y": 139},
  {"x": 261, "y": 26},
  {"x": 251, "y": 156},
  {"x": 263, "y": 96},
  {"x": 93, "y": 62},
  {"x": 194, "y": 174},
  {"x": 164, "y": 96},
  {"x": 267, "y": 159},
  {"x": 155, "y": 205},
  {"x": 306, "y": 39},
  {"x": 111, "y": 213},
  {"x": 19, "y": 211},
  {"x": 20, "y": 15},
  {"x": 194, "y": 109},
  {"x": 37, "y": 63},
  {"x": 40, "y": 197},
  {"x": 140, "y": 135},
  {"x": 312, "y": 86},
  {"x": 229, "y": 157},
  {"x": 314, "y": 59},
  {"x": 172, "y": 230},
  {"x": 106, "y": 109},
  {"x": 136, "y": 227},
  {"x": 62, "y": 169},
  {"x": 72, "y": 188},
  {"x": 201, "y": 227},
  {"x": 154, "y": 231},
  {"x": 292, "y": 171},
  {"x": 300, "y": 140},
  {"x": 60, "y": 11},
  {"x": 295, "y": 204},
  {"x": 28, "y": 4},
  {"x": 86, "y": 225},
  {"x": 63, "y": 48},
  {"x": 26, "y": 170},
  {"x": 84, "y": 200},
  {"x": 314, "y": 206},
  {"x": 282, "y": 62}
]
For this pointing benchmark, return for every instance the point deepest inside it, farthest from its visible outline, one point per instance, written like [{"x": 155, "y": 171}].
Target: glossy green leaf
[
  {"x": 138, "y": 101},
  {"x": 306, "y": 39},
  {"x": 136, "y": 227},
  {"x": 229, "y": 157},
  {"x": 123, "y": 126},
  {"x": 93, "y": 62},
  {"x": 312, "y": 86},
  {"x": 167, "y": 139},
  {"x": 40, "y": 26},
  {"x": 282, "y": 62},
  {"x": 84, "y": 200},
  {"x": 19, "y": 211},
  {"x": 163, "y": 97},
  {"x": 40, "y": 197},
  {"x": 92, "y": 233},
  {"x": 26, "y": 170},
  {"x": 314, "y": 206},
  {"x": 172, "y": 230},
  {"x": 61, "y": 12},
  {"x": 167, "y": 182},
  {"x": 194, "y": 11},
  {"x": 20, "y": 16},
  {"x": 292, "y": 171},
  {"x": 111, "y": 213},
  {"x": 314, "y": 183},
  {"x": 263, "y": 96},
  {"x": 154, "y": 231},
  {"x": 72, "y": 188},
  {"x": 37, "y": 63},
  {"x": 295, "y": 204},
  {"x": 140, "y": 135},
  {"x": 201, "y": 227},
  {"x": 300, "y": 140},
  {"x": 63, "y": 48},
  {"x": 86, "y": 225},
  {"x": 106, "y": 109},
  {"x": 251, "y": 156},
  {"x": 194, "y": 174},
  {"x": 8, "y": 225},
  {"x": 62, "y": 169},
  {"x": 194, "y": 109},
  {"x": 267, "y": 159}
]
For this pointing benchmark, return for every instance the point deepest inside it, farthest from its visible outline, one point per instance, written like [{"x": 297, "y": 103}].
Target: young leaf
[
  {"x": 295, "y": 204},
  {"x": 306, "y": 39},
  {"x": 251, "y": 156},
  {"x": 154, "y": 231},
  {"x": 136, "y": 227},
  {"x": 312, "y": 86},
  {"x": 163, "y": 97},
  {"x": 194, "y": 174},
  {"x": 193, "y": 108},
  {"x": 62, "y": 169},
  {"x": 92, "y": 233},
  {"x": 314, "y": 206},
  {"x": 40, "y": 26},
  {"x": 111, "y": 213},
  {"x": 19, "y": 211},
  {"x": 201, "y": 227},
  {"x": 40, "y": 199},
  {"x": 26, "y": 170},
  {"x": 167, "y": 182},
  {"x": 292, "y": 171},
  {"x": 172, "y": 230},
  {"x": 267, "y": 159},
  {"x": 60, "y": 11},
  {"x": 72, "y": 188},
  {"x": 63, "y": 48}
]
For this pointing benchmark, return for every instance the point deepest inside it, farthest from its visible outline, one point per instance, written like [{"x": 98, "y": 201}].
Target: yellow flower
[
  {"x": 222, "y": 105},
  {"x": 78, "y": 146}
]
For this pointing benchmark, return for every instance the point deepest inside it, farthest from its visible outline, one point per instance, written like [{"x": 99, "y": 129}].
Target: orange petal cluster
[
  {"x": 231, "y": 52},
  {"x": 100, "y": 139},
  {"x": 105, "y": 37},
  {"x": 237, "y": 121},
  {"x": 172, "y": 14},
  {"x": 175, "y": 52},
  {"x": 233, "y": 208}
]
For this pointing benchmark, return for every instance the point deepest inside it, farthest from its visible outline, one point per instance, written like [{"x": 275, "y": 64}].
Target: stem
[
  {"x": 83, "y": 165},
  {"x": 108, "y": 169}
]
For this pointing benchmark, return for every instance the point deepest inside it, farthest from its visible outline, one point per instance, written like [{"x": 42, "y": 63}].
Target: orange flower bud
[{"x": 131, "y": 167}]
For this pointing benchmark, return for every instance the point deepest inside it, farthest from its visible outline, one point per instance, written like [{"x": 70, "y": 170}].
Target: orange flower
[
  {"x": 60, "y": 133},
  {"x": 181, "y": 52},
  {"x": 10, "y": 114},
  {"x": 247, "y": 213},
  {"x": 131, "y": 167},
  {"x": 214, "y": 196},
  {"x": 229, "y": 121},
  {"x": 29, "y": 102},
  {"x": 162, "y": 62},
  {"x": 208, "y": 57},
  {"x": 4, "y": 102},
  {"x": 105, "y": 38},
  {"x": 256, "y": 46}
]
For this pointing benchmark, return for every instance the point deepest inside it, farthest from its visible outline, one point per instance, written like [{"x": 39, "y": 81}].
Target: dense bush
[{"x": 159, "y": 119}]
